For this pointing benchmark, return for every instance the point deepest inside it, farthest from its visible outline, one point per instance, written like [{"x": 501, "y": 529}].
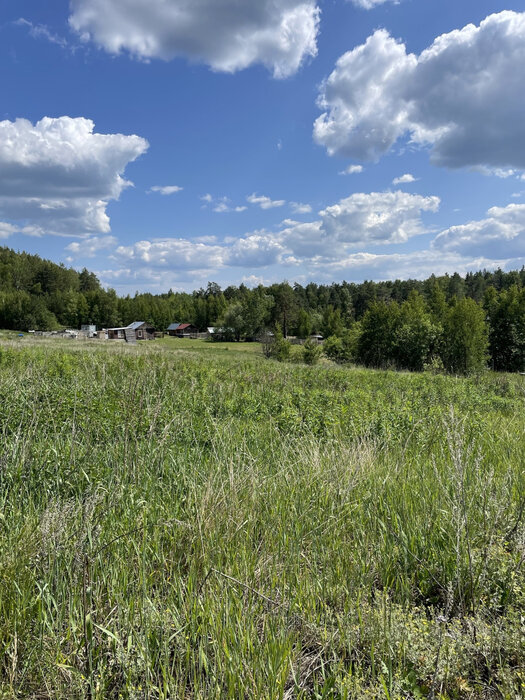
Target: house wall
[
  {"x": 145, "y": 333},
  {"x": 116, "y": 335}
]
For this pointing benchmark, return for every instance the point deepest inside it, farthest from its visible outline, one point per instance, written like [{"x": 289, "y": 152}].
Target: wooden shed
[
  {"x": 138, "y": 330},
  {"x": 172, "y": 328}
]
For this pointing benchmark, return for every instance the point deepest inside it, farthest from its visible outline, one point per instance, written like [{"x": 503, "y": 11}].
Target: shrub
[
  {"x": 333, "y": 348},
  {"x": 311, "y": 352},
  {"x": 277, "y": 347},
  {"x": 343, "y": 349}
]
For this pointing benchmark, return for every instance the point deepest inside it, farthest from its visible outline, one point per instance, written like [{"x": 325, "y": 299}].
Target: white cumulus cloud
[
  {"x": 265, "y": 202},
  {"x": 404, "y": 179},
  {"x": 58, "y": 176},
  {"x": 500, "y": 234},
  {"x": 177, "y": 253},
  {"x": 352, "y": 170},
  {"x": 166, "y": 189},
  {"x": 222, "y": 205},
  {"x": 463, "y": 96},
  {"x": 377, "y": 217},
  {"x": 347, "y": 241},
  {"x": 89, "y": 247},
  {"x": 228, "y": 35},
  {"x": 299, "y": 208},
  {"x": 255, "y": 250}
]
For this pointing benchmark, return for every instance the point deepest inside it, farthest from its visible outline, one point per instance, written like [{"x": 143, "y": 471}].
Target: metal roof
[
  {"x": 136, "y": 324},
  {"x": 173, "y": 326}
]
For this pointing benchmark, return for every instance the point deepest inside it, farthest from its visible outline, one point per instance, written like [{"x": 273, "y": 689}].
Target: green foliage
[
  {"x": 304, "y": 324},
  {"x": 332, "y": 323},
  {"x": 277, "y": 347},
  {"x": 506, "y": 315},
  {"x": 465, "y": 338},
  {"x": 311, "y": 352},
  {"x": 206, "y": 524},
  {"x": 416, "y": 336},
  {"x": 333, "y": 348},
  {"x": 343, "y": 350},
  {"x": 377, "y": 342},
  {"x": 403, "y": 322},
  {"x": 285, "y": 308}
]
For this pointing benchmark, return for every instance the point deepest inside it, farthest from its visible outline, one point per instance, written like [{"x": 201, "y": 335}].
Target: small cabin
[
  {"x": 138, "y": 330},
  {"x": 172, "y": 328},
  {"x": 89, "y": 330},
  {"x": 185, "y": 330}
]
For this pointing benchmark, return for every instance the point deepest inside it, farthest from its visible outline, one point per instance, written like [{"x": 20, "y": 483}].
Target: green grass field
[{"x": 181, "y": 519}]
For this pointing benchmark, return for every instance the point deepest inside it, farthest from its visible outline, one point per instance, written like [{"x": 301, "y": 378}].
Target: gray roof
[
  {"x": 135, "y": 325},
  {"x": 173, "y": 326}
]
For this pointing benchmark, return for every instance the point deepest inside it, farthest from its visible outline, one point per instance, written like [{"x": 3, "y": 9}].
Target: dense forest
[{"x": 460, "y": 323}]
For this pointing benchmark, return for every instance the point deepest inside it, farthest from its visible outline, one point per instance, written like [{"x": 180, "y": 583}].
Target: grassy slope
[{"x": 205, "y": 523}]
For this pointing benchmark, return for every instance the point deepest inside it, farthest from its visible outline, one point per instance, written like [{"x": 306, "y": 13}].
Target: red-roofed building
[{"x": 185, "y": 330}]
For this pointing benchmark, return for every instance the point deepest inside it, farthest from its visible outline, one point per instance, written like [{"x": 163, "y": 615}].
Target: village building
[
  {"x": 89, "y": 330},
  {"x": 172, "y": 328},
  {"x": 184, "y": 330},
  {"x": 138, "y": 330}
]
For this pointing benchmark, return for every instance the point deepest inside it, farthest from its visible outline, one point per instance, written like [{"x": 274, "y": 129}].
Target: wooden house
[
  {"x": 172, "y": 328},
  {"x": 138, "y": 330},
  {"x": 185, "y": 330}
]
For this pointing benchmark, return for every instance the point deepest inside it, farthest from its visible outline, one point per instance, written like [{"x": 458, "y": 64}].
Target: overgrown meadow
[{"x": 178, "y": 523}]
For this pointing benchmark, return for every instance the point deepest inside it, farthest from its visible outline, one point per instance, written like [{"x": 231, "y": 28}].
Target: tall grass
[{"x": 175, "y": 525}]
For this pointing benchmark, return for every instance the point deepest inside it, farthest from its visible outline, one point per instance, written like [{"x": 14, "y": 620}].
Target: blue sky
[{"x": 164, "y": 143}]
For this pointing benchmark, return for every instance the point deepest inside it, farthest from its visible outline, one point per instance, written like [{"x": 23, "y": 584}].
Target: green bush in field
[
  {"x": 343, "y": 350},
  {"x": 277, "y": 347},
  {"x": 333, "y": 348},
  {"x": 311, "y": 352}
]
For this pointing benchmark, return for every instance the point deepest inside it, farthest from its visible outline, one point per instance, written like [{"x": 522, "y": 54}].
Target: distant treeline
[{"x": 461, "y": 323}]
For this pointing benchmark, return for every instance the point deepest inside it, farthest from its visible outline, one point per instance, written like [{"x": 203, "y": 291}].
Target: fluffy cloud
[
  {"x": 462, "y": 96},
  {"x": 59, "y": 176},
  {"x": 256, "y": 250},
  {"x": 403, "y": 179},
  {"x": 177, "y": 253},
  {"x": 500, "y": 234},
  {"x": 416, "y": 265},
  {"x": 228, "y": 35},
  {"x": 378, "y": 217},
  {"x": 365, "y": 111},
  {"x": 225, "y": 208},
  {"x": 7, "y": 230},
  {"x": 299, "y": 208},
  {"x": 166, "y": 189},
  {"x": 89, "y": 247},
  {"x": 352, "y": 170},
  {"x": 339, "y": 245},
  {"x": 359, "y": 220},
  {"x": 265, "y": 202},
  {"x": 221, "y": 205}
]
